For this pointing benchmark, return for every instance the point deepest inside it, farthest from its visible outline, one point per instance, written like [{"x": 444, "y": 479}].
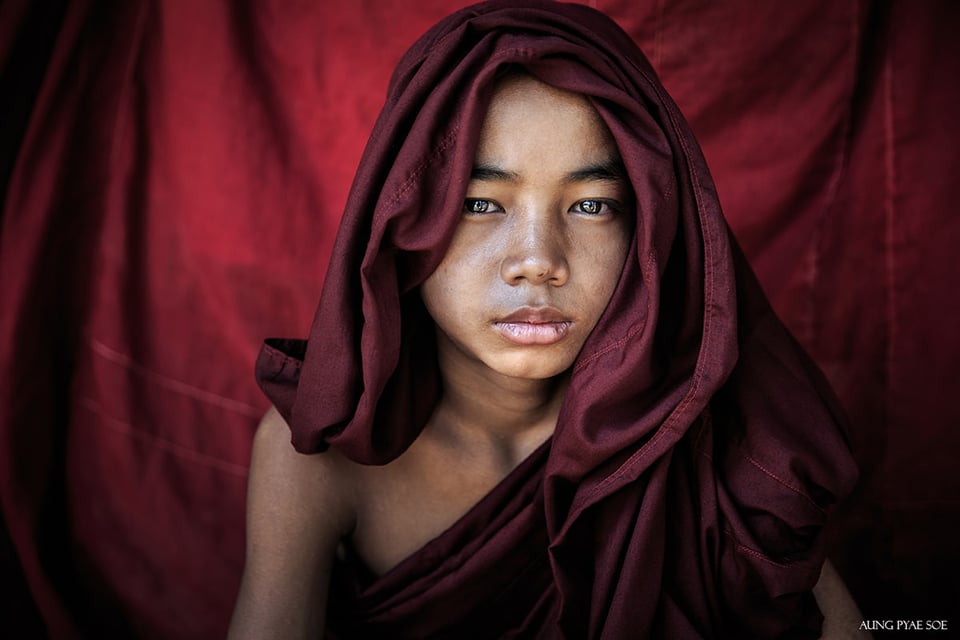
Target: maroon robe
[{"x": 698, "y": 450}]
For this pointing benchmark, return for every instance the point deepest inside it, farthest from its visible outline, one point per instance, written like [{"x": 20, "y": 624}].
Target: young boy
[{"x": 551, "y": 400}]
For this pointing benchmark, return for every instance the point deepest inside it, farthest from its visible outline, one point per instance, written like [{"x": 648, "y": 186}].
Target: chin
[{"x": 534, "y": 368}]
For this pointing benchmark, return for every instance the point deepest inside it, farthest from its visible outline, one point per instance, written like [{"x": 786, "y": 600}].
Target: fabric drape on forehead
[{"x": 697, "y": 451}]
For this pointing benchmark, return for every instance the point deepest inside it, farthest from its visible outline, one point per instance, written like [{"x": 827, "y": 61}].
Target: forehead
[{"x": 526, "y": 115}]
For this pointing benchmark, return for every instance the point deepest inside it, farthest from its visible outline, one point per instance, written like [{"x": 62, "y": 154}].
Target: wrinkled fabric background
[{"x": 172, "y": 175}]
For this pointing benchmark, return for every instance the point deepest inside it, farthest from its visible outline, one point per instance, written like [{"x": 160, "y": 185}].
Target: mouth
[{"x": 534, "y": 326}]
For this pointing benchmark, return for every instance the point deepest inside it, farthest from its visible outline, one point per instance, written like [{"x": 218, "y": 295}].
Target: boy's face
[{"x": 543, "y": 237}]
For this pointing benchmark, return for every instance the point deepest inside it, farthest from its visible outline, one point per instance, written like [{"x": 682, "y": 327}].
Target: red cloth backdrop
[{"x": 172, "y": 177}]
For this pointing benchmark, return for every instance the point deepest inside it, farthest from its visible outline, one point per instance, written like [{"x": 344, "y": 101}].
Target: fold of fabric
[{"x": 698, "y": 450}]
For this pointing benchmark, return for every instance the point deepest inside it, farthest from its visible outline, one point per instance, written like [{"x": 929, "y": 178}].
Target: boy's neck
[{"x": 510, "y": 416}]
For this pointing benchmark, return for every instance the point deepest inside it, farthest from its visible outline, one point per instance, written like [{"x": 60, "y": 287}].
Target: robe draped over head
[{"x": 698, "y": 450}]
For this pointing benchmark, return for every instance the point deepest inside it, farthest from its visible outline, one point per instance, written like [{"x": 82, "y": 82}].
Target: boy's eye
[
  {"x": 478, "y": 205},
  {"x": 591, "y": 207}
]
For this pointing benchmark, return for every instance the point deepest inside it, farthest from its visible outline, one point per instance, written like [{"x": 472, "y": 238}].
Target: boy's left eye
[{"x": 591, "y": 207}]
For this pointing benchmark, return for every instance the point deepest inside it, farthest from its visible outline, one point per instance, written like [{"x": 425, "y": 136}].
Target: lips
[{"x": 534, "y": 326}]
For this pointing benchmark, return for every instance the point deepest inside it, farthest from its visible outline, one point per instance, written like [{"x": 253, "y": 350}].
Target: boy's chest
[{"x": 401, "y": 507}]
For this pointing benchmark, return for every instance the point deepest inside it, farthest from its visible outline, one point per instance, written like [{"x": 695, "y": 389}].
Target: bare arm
[
  {"x": 296, "y": 514},
  {"x": 841, "y": 616}
]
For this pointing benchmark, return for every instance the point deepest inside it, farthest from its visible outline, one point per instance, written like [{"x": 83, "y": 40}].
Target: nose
[{"x": 536, "y": 254}]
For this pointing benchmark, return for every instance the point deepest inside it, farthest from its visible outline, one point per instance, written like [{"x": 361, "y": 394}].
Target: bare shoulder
[
  {"x": 275, "y": 458},
  {"x": 299, "y": 507},
  {"x": 314, "y": 491},
  {"x": 841, "y": 616}
]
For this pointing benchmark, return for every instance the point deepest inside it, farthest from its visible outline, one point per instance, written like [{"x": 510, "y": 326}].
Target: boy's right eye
[{"x": 479, "y": 206}]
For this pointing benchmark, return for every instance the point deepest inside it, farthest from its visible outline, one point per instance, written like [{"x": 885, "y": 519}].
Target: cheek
[
  {"x": 605, "y": 265},
  {"x": 467, "y": 262},
  {"x": 618, "y": 258},
  {"x": 437, "y": 293},
  {"x": 450, "y": 293}
]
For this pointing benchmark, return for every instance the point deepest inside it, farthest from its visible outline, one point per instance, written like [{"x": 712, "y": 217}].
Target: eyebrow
[
  {"x": 490, "y": 173},
  {"x": 607, "y": 171}
]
